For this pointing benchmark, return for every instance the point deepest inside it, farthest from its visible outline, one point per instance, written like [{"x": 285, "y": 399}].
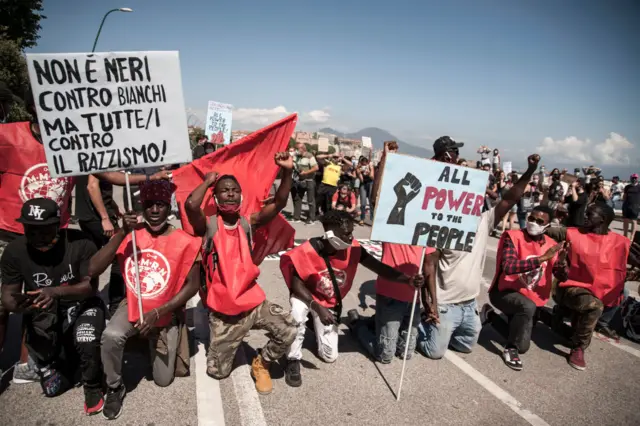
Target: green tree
[
  {"x": 20, "y": 21},
  {"x": 13, "y": 71},
  {"x": 292, "y": 143},
  {"x": 332, "y": 149}
]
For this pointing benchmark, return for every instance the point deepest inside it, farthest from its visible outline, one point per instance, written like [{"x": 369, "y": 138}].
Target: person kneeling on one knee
[
  {"x": 525, "y": 266},
  {"x": 169, "y": 275},
  {"x": 319, "y": 274}
]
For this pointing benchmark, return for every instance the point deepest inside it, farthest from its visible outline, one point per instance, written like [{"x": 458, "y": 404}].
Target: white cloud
[
  {"x": 252, "y": 118},
  {"x": 613, "y": 151}
]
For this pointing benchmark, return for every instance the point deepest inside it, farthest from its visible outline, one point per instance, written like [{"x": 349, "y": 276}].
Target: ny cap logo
[{"x": 36, "y": 212}]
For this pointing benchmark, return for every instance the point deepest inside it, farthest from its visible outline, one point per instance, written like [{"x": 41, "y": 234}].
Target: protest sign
[
  {"x": 109, "y": 111},
  {"x": 429, "y": 203},
  {"x": 366, "y": 142},
  {"x": 218, "y": 126},
  {"x": 323, "y": 144},
  {"x": 507, "y": 167}
]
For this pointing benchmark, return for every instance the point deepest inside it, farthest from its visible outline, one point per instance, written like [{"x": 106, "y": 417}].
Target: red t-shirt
[
  {"x": 348, "y": 201},
  {"x": 405, "y": 259}
]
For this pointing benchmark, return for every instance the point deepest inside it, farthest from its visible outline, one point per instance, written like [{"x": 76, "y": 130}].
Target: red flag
[{"x": 251, "y": 161}]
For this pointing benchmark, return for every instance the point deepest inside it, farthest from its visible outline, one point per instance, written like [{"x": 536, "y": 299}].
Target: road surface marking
[
  {"x": 208, "y": 396},
  {"x": 626, "y": 348},
  {"x": 251, "y": 413},
  {"x": 495, "y": 390}
]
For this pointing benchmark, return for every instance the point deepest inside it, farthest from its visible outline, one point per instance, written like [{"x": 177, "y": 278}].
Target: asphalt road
[{"x": 472, "y": 389}]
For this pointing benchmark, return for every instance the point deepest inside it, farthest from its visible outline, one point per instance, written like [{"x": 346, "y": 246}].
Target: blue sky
[{"x": 503, "y": 73}]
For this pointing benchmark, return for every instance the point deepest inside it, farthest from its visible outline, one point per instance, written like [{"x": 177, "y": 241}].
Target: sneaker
[
  {"x": 485, "y": 312},
  {"x": 93, "y": 401},
  {"x": 296, "y": 221},
  {"x": 576, "y": 359},
  {"x": 361, "y": 223},
  {"x": 113, "y": 404},
  {"x": 260, "y": 373},
  {"x": 293, "y": 377},
  {"x": 511, "y": 357},
  {"x": 26, "y": 372},
  {"x": 608, "y": 332},
  {"x": 310, "y": 222}
]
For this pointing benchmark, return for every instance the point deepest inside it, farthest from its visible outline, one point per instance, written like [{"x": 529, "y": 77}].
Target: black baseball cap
[
  {"x": 39, "y": 211},
  {"x": 445, "y": 144}
]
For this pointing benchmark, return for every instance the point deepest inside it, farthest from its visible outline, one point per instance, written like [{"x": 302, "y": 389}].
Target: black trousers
[
  {"x": 68, "y": 339},
  {"x": 325, "y": 192},
  {"x": 521, "y": 314},
  {"x": 116, "y": 289}
]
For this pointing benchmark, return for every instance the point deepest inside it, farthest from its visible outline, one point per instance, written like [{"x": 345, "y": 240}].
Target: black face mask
[{"x": 556, "y": 177}]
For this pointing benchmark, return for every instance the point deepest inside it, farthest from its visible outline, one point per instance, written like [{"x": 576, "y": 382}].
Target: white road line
[
  {"x": 622, "y": 346},
  {"x": 251, "y": 413},
  {"x": 208, "y": 396},
  {"x": 495, "y": 390}
]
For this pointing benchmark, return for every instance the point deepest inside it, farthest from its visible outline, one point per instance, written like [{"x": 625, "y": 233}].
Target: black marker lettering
[{"x": 88, "y": 71}]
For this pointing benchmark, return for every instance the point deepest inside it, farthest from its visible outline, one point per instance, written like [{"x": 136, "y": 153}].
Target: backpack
[
  {"x": 207, "y": 245},
  {"x": 631, "y": 318}
]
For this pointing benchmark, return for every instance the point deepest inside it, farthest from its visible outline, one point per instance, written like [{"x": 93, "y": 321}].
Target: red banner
[{"x": 251, "y": 161}]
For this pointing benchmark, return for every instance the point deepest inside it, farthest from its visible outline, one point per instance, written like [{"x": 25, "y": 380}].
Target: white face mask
[
  {"x": 336, "y": 242},
  {"x": 534, "y": 229}
]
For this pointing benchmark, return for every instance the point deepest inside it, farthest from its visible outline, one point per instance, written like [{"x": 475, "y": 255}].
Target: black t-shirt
[
  {"x": 85, "y": 211},
  {"x": 556, "y": 191},
  {"x": 632, "y": 196},
  {"x": 577, "y": 209},
  {"x": 67, "y": 263}
]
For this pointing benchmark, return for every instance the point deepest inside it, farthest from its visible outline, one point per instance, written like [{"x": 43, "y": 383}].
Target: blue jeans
[
  {"x": 365, "y": 194},
  {"x": 459, "y": 329},
  {"x": 609, "y": 313},
  {"x": 391, "y": 324}
]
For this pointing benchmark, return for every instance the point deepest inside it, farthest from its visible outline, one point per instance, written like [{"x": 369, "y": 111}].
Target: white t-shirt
[{"x": 459, "y": 274}]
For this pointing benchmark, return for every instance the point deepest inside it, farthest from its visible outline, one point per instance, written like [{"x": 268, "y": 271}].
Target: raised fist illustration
[{"x": 406, "y": 190}]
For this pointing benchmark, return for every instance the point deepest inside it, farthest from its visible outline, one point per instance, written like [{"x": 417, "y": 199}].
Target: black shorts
[{"x": 630, "y": 213}]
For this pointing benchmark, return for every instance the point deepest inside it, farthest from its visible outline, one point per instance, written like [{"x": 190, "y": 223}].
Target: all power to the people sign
[
  {"x": 109, "y": 111},
  {"x": 428, "y": 203}
]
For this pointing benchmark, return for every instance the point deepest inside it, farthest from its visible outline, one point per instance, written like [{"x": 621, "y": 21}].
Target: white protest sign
[
  {"x": 507, "y": 167},
  {"x": 323, "y": 144},
  {"x": 366, "y": 142},
  {"x": 109, "y": 111},
  {"x": 429, "y": 203},
  {"x": 218, "y": 126}
]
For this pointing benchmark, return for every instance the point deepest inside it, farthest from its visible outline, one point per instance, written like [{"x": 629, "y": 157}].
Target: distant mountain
[{"x": 378, "y": 136}]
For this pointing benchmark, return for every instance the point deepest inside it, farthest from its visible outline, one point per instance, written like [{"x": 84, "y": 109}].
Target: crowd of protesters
[
  {"x": 50, "y": 273},
  {"x": 331, "y": 181}
]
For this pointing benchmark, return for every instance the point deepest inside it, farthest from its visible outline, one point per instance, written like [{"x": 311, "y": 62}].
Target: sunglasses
[{"x": 536, "y": 220}]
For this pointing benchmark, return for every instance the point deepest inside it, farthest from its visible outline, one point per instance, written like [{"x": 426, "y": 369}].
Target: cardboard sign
[
  {"x": 323, "y": 144},
  {"x": 111, "y": 111},
  {"x": 429, "y": 203},
  {"x": 218, "y": 126},
  {"x": 366, "y": 142},
  {"x": 507, "y": 167}
]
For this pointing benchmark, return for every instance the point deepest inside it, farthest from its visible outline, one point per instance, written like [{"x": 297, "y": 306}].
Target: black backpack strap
[{"x": 319, "y": 245}]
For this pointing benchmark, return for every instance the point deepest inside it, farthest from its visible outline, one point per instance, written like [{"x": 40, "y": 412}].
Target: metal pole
[
  {"x": 410, "y": 326},
  {"x": 95, "y": 42},
  {"x": 135, "y": 251}
]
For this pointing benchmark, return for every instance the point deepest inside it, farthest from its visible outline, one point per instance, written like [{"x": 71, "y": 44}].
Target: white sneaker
[{"x": 25, "y": 372}]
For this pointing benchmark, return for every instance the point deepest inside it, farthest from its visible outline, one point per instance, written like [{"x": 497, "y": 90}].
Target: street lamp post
[{"x": 122, "y": 9}]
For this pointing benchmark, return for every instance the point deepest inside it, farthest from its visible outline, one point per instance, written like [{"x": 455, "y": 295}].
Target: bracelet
[
  {"x": 157, "y": 313},
  {"x": 310, "y": 303}
]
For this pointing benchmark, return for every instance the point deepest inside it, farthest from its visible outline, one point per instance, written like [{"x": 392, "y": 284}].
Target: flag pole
[
  {"x": 135, "y": 251},
  {"x": 410, "y": 326}
]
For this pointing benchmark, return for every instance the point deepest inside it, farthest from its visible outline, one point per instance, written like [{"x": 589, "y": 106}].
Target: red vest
[
  {"x": 599, "y": 264},
  {"x": 231, "y": 274},
  {"x": 163, "y": 263},
  {"x": 312, "y": 270},
  {"x": 406, "y": 259},
  {"x": 536, "y": 284},
  {"x": 24, "y": 175}
]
